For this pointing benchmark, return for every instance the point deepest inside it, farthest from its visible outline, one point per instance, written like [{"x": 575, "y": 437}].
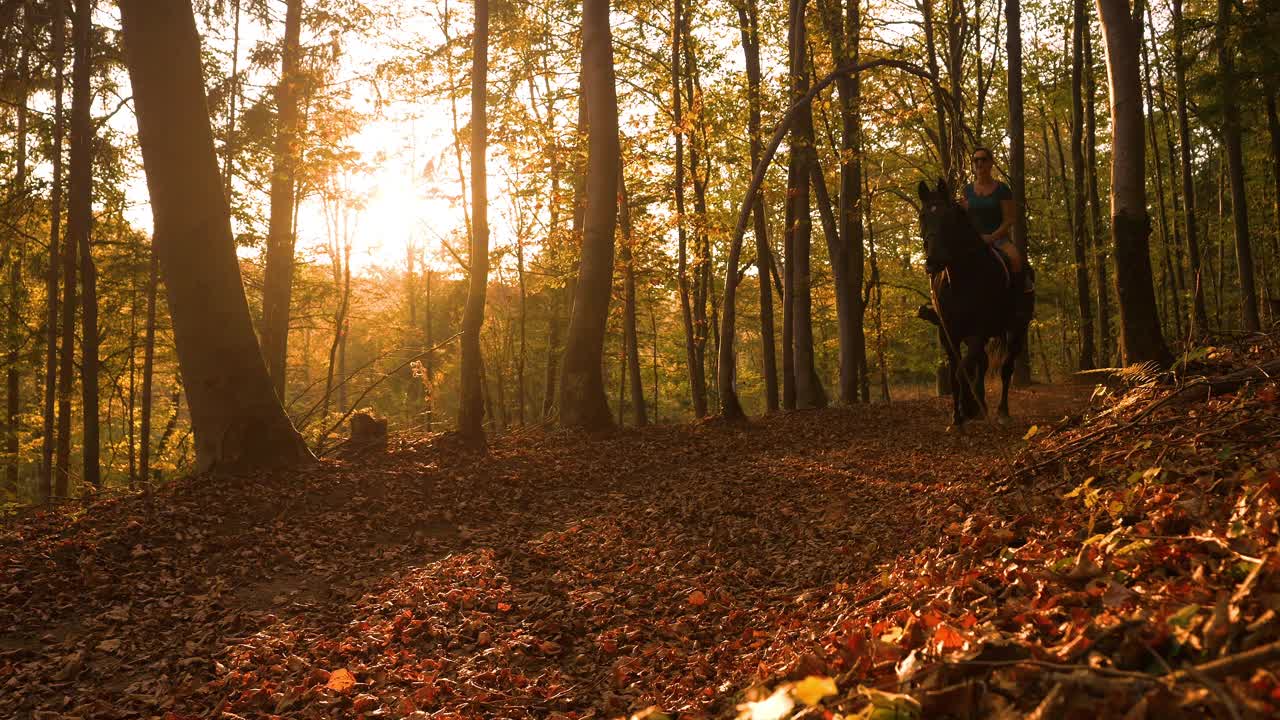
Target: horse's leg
[
  {"x": 984, "y": 364},
  {"x": 1017, "y": 339},
  {"x": 957, "y": 384},
  {"x": 973, "y": 402}
]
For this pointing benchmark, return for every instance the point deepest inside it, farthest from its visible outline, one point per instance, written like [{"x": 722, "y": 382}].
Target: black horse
[{"x": 976, "y": 298}]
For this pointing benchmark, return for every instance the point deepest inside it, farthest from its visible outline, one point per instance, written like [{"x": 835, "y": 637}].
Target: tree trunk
[
  {"x": 18, "y": 202},
  {"x": 583, "y": 403},
  {"x": 845, "y": 247},
  {"x": 702, "y": 260},
  {"x": 79, "y": 218},
  {"x": 1017, "y": 154},
  {"x": 1200, "y": 315},
  {"x": 148, "y": 368},
  {"x": 1171, "y": 278},
  {"x": 748, "y": 19},
  {"x": 238, "y": 421},
  {"x": 943, "y": 139},
  {"x": 697, "y": 380},
  {"x": 1105, "y": 341},
  {"x": 1273, "y": 129},
  {"x": 1141, "y": 338},
  {"x": 66, "y": 357},
  {"x": 1228, "y": 85},
  {"x": 1079, "y": 30},
  {"x": 51, "y": 377},
  {"x": 277, "y": 276},
  {"x": 471, "y": 405},
  {"x": 427, "y": 364},
  {"x": 809, "y": 391},
  {"x": 631, "y": 337}
]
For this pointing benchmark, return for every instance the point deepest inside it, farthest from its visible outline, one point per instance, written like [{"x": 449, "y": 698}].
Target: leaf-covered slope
[{"x": 588, "y": 577}]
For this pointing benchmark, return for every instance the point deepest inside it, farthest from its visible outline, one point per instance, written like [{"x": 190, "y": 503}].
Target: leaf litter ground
[{"x": 819, "y": 561}]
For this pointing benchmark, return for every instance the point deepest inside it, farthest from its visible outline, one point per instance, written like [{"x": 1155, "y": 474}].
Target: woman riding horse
[
  {"x": 975, "y": 299},
  {"x": 990, "y": 206}
]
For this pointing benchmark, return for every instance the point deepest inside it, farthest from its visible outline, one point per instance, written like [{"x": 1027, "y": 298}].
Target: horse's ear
[{"x": 923, "y": 191}]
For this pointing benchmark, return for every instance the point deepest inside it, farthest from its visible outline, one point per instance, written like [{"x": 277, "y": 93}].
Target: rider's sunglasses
[{"x": 981, "y": 158}]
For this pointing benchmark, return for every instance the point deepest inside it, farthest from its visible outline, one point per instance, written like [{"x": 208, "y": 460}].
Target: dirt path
[{"x": 590, "y": 577}]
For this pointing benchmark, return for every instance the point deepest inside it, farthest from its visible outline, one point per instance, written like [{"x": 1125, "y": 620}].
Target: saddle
[{"x": 1027, "y": 274}]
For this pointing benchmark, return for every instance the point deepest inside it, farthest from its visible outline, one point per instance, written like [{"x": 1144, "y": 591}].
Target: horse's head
[{"x": 944, "y": 227}]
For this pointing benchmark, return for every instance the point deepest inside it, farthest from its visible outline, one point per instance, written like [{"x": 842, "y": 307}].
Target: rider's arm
[{"x": 1006, "y": 219}]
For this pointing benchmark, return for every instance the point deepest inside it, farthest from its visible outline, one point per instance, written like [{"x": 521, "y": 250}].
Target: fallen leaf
[{"x": 341, "y": 680}]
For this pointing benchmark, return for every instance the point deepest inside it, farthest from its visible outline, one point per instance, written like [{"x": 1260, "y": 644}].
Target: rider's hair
[{"x": 985, "y": 149}]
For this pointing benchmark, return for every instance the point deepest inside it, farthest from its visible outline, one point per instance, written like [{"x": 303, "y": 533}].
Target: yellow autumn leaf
[
  {"x": 1031, "y": 432},
  {"x": 341, "y": 680},
  {"x": 813, "y": 688}
]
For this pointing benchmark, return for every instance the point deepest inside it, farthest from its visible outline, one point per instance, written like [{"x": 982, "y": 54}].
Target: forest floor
[{"x": 1112, "y": 557}]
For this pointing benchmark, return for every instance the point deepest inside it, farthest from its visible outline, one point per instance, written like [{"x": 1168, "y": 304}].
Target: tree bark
[
  {"x": 471, "y": 406},
  {"x": 748, "y": 21},
  {"x": 583, "y": 403},
  {"x": 1079, "y": 30},
  {"x": 148, "y": 370},
  {"x": 1273, "y": 129},
  {"x": 47, "y": 466},
  {"x": 277, "y": 276},
  {"x": 1141, "y": 338},
  {"x": 697, "y": 379},
  {"x": 1017, "y": 154},
  {"x": 1105, "y": 340},
  {"x": 18, "y": 201},
  {"x": 1228, "y": 85},
  {"x": 236, "y": 417},
  {"x": 79, "y": 219},
  {"x": 809, "y": 391},
  {"x": 1200, "y": 315},
  {"x": 66, "y": 355},
  {"x": 631, "y": 337}
]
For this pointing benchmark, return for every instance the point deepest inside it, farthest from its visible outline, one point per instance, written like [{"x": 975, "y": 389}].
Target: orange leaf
[
  {"x": 341, "y": 680},
  {"x": 697, "y": 598}
]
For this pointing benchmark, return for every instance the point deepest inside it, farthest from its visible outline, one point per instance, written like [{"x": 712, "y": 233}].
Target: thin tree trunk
[
  {"x": 236, "y": 417},
  {"x": 1017, "y": 154},
  {"x": 944, "y": 140},
  {"x": 427, "y": 364},
  {"x": 1170, "y": 280},
  {"x": 630, "y": 336},
  {"x": 66, "y": 365},
  {"x": 1228, "y": 84},
  {"x": 524, "y": 318},
  {"x": 1141, "y": 338},
  {"x": 471, "y": 405},
  {"x": 583, "y": 403},
  {"x": 47, "y": 466},
  {"x": 148, "y": 367},
  {"x": 1273, "y": 129},
  {"x": 1106, "y": 343},
  {"x": 277, "y": 276},
  {"x": 1200, "y": 317},
  {"x": 19, "y": 202},
  {"x": 701, "y": 242},
  {"x": 748, "y": 19},
  {"x": 697, "y": 383},
  {"x": 1079, "y": 30},
  {"x": 79, "y": 218}
]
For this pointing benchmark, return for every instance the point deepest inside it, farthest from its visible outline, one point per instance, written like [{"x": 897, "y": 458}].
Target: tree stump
[{"x": 368, "y": 431}]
